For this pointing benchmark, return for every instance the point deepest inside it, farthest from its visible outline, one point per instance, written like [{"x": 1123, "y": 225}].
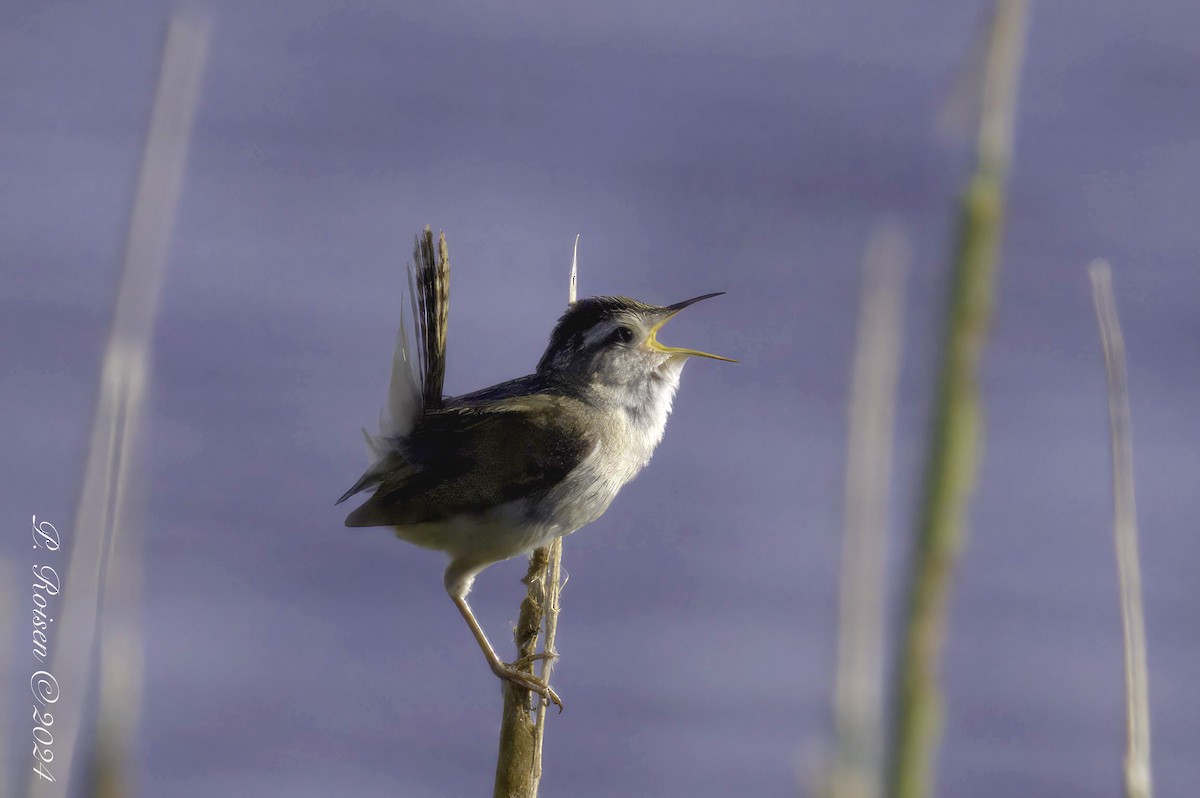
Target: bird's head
[{"x": 612, "y": 340}]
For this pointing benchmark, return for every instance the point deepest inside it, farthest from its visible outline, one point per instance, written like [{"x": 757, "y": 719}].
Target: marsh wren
[{"x": 502, "y": 471}]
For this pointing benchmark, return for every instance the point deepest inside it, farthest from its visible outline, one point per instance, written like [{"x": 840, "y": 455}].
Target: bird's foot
[{"x": 529, "y": 682}]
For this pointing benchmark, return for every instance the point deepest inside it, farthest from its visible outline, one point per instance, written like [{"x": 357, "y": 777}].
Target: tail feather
[
  {"x": 369, "y": 479},
  {"x": 376, "y": 444},
  {"x": 397, "y": 418},
  {"x": 412, "y": 389},
  {"x": 432, "y": 292}
]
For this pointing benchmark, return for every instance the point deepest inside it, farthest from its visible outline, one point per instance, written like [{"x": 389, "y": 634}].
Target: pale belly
[
  {"x": 520, "y": 526},
  {"x": 475, "y": 541},
  {"x": 499, "y": 534}
]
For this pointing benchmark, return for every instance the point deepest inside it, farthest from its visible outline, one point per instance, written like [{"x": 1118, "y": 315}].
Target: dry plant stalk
[
  {"x": 518, "y": 766},
  {"x": 858, "y": 696},
  {"x": 1138, "y": 781},
  {"x": 951, "y": 469},
  {"x": 519, "y": 761},
  {"x": 104, "y": 557}
]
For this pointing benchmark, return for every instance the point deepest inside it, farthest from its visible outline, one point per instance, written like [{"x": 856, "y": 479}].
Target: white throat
[{"x": 642, "y": 410}]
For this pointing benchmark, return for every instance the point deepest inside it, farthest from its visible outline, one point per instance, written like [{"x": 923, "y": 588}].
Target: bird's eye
[{"x": 623, "y": 334}]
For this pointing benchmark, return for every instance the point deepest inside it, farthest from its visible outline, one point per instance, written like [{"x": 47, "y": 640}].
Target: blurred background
[{"x": 695, "y": 148}]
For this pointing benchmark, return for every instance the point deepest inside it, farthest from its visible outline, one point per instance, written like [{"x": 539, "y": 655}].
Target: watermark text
[{"x": 46, "y": 588}]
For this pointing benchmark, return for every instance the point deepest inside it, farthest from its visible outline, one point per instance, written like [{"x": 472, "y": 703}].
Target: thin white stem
[
  {"x": 858, "y": 696},
  {"x": 553, "y": 586},
  {"x": 573, "y": 288},
  {"x": 1138, "y": 782}
]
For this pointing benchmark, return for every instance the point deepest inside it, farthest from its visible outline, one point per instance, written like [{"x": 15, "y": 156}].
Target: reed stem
[
  {"x": 1138, "y": 782},
  {"x": 957, "y": 430},
  {"x": 104, "y": 556},
  {"x": 858, "y": 696},
  {"x": 519, "y": 761}
]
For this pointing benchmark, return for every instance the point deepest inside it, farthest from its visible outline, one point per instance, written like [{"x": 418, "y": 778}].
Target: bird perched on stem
[{"x": 502, "y": 471}]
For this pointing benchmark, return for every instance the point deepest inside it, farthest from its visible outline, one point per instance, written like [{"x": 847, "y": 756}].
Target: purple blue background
[{"x": 749, "y": 148}]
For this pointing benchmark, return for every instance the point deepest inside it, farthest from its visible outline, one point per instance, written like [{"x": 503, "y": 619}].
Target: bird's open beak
[{"x": 669, "y": 313}]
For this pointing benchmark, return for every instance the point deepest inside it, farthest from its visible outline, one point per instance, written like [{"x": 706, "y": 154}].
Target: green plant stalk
[
  {"x": 957, "y": 429},
  {"x": 949, "y": 480}
]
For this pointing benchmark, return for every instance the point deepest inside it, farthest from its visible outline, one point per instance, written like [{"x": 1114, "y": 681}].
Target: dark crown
[{"x": 584, "y": 315}]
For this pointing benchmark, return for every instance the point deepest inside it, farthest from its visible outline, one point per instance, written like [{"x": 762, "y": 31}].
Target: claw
[
  {"x": 540, "y": 656},
  {"x": 551, "y": 697},
  {"x": 531, "y": 683}
]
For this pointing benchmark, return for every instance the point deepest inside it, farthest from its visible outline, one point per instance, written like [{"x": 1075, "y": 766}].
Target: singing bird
[{"x": 502, "y": 471}]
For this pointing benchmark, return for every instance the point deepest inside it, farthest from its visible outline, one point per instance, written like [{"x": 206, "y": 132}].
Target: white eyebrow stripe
[{"x": 598, "y": 333}]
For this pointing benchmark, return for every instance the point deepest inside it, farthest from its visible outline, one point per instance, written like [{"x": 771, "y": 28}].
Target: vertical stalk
[
  {"x": 519, "y": 760},
  {"x": 554, "y": 584},
  {"x": 956, "y": 435},
  {"x": 97, "y": 562},
  {"x": 1137, "y": 698},
  {"x": 858, "y": 695},
  {"x": 518, "y": 766}
]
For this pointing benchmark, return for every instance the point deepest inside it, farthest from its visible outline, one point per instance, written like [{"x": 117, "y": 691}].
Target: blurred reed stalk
[
  {"x": 519, "y": 759},
  {"x": 857, "y": 768},
  {"x": 8, "y": 607},
  {"x": 1138, "y": 779},
  {"x": 957, "y": 430},
  {"x": 101, "y": 584}
]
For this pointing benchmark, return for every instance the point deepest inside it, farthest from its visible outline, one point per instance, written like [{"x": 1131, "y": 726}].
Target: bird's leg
[{"x": 526, "y": 680}]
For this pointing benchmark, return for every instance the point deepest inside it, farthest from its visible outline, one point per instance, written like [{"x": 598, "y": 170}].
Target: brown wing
[{"x": 466, "y": 459}]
